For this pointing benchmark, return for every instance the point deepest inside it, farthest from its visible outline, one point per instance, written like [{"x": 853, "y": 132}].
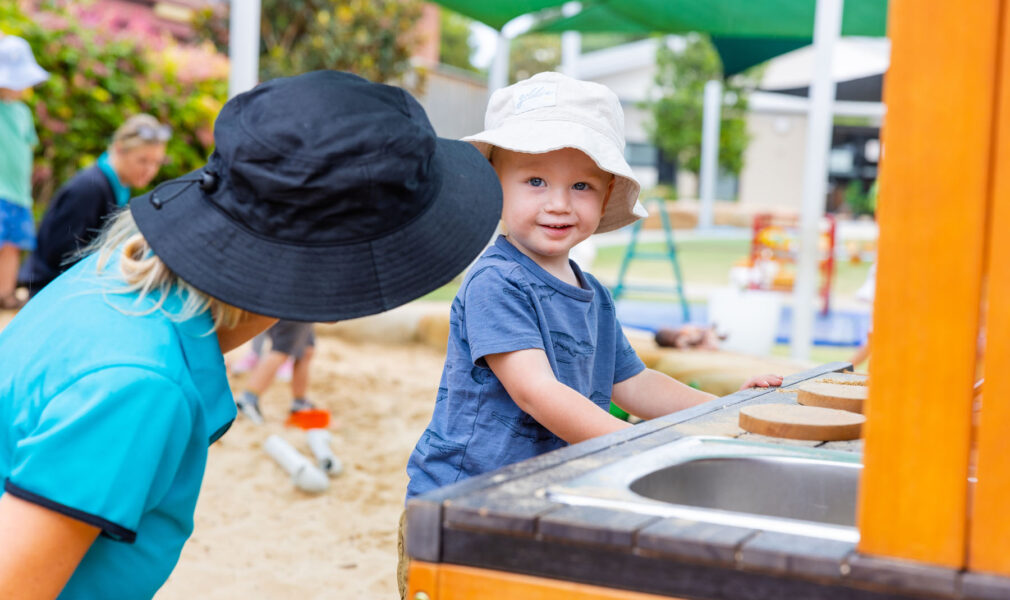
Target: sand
[{"x": 256, "y": 536}]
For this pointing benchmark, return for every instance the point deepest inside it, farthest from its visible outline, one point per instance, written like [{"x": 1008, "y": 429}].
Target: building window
[{"x": 640, "y": 154}]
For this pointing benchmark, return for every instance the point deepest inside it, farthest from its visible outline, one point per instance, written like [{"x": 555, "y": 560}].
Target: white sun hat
[
  {"x": 18, "y": 69},
  {"x": 551, "y": 111}
]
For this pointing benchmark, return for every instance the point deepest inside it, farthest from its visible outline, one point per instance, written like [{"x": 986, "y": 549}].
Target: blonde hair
[
  {"x": 145, "y": 274},
  {"x": 140, "y": 130}
]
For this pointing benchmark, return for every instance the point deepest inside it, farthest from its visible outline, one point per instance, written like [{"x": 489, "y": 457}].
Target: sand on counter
[{"x": 257, "y": 536}]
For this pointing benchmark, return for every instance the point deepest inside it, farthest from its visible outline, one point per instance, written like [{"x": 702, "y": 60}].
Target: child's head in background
[
  {"x": 557, "y": 145},
  {"x": 18, "y": 69}
]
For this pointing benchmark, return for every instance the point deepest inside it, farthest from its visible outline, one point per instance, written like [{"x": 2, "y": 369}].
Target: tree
[
  {"x": 97, "y": 80},
  {"x": 533, "y": 53},
  {"x": 455, "y": 48},
  {"x": 675, "y": 126},
  {"x": 372, "y": 38}
]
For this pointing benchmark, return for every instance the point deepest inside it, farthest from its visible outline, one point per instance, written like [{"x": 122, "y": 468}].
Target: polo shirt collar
[
  {"x": 202, "y": 353},
  {"x": 121, "y": 192}
]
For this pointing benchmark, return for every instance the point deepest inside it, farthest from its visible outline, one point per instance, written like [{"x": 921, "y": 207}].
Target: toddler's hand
[{"x": 762, "y": 381}]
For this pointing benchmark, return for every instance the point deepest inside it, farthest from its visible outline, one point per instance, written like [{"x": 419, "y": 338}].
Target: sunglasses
[{"x": 162, "y": 133}]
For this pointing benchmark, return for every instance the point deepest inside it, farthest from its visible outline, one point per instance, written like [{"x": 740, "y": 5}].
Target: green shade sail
[
  {"x": 497, "y": 13},
  {"x": 745, "y": 32},
  {"x": 726, "y": 18},
  {"x": 739, "y": 54}
]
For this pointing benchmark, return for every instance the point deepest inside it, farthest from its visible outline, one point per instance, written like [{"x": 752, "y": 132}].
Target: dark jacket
[{"x": 74, "y": 218}]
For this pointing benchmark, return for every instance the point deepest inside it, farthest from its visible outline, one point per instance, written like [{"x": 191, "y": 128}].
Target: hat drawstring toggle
[{"x": 208, "y": 181}]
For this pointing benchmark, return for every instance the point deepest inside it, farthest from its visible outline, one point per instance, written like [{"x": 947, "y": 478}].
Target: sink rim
[{"x": 609, "y": 486}]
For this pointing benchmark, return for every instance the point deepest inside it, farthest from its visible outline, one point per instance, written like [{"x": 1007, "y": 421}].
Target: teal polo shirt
[
  {"x": 17, "y": 140},
  {"x": 107, "y": 418}
]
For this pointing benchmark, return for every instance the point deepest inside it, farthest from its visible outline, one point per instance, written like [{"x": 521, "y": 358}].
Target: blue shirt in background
[
  {"x": 506, "y": 303},
  {"x": 107, "y": 417}
]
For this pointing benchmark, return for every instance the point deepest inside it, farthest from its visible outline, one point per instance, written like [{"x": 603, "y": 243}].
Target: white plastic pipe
[
  {"x": 710, "y": 121},
  {"x": 305, "y": 475},
  {"x": 243, "y": 46},
  {"x": 827, "y": 27},
  {"x": 319, "y": 443}
]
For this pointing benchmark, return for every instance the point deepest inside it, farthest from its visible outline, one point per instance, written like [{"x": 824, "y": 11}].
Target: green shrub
[{"x": 97, "y": 82}]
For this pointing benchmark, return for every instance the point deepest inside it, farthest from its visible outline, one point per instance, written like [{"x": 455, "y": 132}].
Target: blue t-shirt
[
  {"x": 506, "y": 303},
  {"x": 106, "y": 417}
]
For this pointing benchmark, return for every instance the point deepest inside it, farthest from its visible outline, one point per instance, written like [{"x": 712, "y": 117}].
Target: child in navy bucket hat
[{"x": 327, "y": 197}]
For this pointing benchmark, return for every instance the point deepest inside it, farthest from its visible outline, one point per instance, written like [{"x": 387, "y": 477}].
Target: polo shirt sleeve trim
[{"x": 109, "y": 529}]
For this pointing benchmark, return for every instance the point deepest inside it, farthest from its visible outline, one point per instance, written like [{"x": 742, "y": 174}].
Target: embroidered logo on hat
[{"x": 538, "y": 96}]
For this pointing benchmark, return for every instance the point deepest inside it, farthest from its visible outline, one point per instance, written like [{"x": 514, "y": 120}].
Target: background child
[
  {"x": 535, "y": 350},
  {"x": 18, "y": 72},
  {"x": 288, "y": 340}
]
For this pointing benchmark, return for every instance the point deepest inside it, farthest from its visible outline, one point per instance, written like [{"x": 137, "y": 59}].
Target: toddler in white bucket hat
[
  {"x": 551, "y": 111},
  {"x": 535, "y": 351}
]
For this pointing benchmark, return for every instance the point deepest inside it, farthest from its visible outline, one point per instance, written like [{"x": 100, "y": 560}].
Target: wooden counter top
[{"x": 503, "y": 521}]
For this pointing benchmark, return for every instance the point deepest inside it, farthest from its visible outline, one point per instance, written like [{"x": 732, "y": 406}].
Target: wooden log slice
[
  {"x": 801, "y": 422},
  {"x": 833, "y": 395}
]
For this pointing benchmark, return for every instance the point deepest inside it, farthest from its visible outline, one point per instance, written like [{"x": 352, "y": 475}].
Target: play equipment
[
  {"x": 749, "y": 319},
  {"x": 319, "y": 443},
  {"x": 632, "y": 252},
  {"x": 798, "y": 422},
  {"x": 773, "y": 254},
  {"x": 305, "y": 475},
  {"x": 843, "y": 396}
]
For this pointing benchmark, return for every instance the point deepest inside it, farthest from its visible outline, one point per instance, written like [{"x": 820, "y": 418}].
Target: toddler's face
[{"x": 552, "y": 201}]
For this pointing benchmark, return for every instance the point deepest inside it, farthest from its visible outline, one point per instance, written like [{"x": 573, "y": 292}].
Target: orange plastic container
[{"x": 315, "y": 418}]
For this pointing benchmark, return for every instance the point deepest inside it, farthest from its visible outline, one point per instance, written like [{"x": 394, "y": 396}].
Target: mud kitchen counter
[{"x": 511, "y": 521}]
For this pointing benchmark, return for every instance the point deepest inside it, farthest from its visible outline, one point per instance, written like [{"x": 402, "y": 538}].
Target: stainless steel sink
[{"x": 804, "y": 491}]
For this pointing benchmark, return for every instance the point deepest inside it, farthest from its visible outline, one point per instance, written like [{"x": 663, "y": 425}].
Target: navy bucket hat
[{"x": 327, "y": 197}]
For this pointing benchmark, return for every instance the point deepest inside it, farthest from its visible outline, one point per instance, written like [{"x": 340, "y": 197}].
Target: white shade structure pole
[
  {"x": 711, "y": 117},
  {"x": 571, "y": 43},
  {"x": 827, "y": 28},
  {"x": 243, "y": 46},
  {"x": 498, "y": 77}
]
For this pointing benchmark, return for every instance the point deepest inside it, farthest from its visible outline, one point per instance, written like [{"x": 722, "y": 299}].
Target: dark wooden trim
[{"x": 616, "y": 568}]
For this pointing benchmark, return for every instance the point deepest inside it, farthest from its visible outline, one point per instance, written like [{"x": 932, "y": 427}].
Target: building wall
[
  {"x": 455, "y": 102},
  {"x": 774, "y": 160}
]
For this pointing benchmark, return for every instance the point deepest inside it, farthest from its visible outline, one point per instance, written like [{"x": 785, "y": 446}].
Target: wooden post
[
  {"x": 934, "y": 190},
  {"x": 989, "y": 548}
]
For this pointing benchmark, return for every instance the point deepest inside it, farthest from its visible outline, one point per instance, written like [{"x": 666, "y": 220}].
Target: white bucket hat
[
  {"x": 18, "y": 69},
  {"x": 551, "y": 111}
]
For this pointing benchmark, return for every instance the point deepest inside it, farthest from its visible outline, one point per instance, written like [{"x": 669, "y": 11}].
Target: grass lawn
[
  {"x": 706, "y": 262},
  {"x": 703, "y": 262}
]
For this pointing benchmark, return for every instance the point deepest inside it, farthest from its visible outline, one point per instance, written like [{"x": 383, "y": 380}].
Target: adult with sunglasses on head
[
  {"x": 79, "y": 208},
  {"x": 327, "y": 197}
]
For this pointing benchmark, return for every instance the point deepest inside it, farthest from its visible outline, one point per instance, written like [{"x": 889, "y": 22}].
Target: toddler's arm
[
  {"x": 652, "y": 394},
  {"x": 530, "y": 382}
]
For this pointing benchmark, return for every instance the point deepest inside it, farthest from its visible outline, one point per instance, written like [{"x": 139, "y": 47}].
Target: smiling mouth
[{"x": 556, "y": 226}]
